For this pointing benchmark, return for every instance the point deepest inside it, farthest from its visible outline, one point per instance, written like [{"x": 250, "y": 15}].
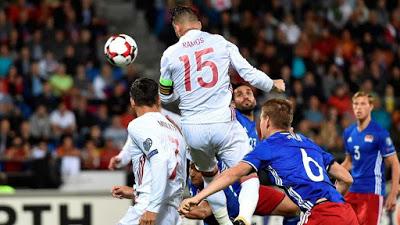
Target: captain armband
[{"x": 166, "y": 86}]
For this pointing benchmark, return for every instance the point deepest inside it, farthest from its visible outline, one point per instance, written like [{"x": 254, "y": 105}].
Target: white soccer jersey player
[
  {"x": 158, "y": 153},
  {"x": 195, "y": 71},
  {"x": 197, "y": 68}
]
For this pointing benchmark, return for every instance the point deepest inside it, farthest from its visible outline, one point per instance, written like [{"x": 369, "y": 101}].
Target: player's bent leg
[
  {"x": 275, "y": 202},
  {"x": 248, "y": 197},
  {"x": 217, "y": 200}
]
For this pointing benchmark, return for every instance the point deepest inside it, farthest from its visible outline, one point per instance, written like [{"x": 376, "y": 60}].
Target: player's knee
[
  {"x": 248, "y": 177},
  {"x": 287, "y": 208}
]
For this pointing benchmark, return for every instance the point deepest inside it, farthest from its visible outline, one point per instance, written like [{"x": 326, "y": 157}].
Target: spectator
[
  {"x": 313, "y": 114},
  {"x": 96, "y": 136},
  {"x": 380, "y": 115},
  {"x": 46, "y": 97},
  {"x": 48, "y": 65},
  {"x": 116, "y": 132},
  {"x": 61, "y": 82},
  {"x": 62, "y": 121},
  {"x": 103, "y": 82},
  {"x": 40, "y": 125},
  {"x": 109, "y": 151},
  {"x": 290, "y": 29},
  {"x": 5, "y": 60},
  {"x": 118, "y": 100},
  {"x": 90, "y": 156},
  {"x": 329, "y": 135},
  {"x": 84, "y": 119},
  {"x": 70, "y": 157},
  {"x": 6, "y": 135},
  {"x": 5, "y": 27},
  {"x": 36, "y": 45},
  {"x": 341, "y": 100},
  {"x": 339, "y": 13},
  {"x": 33, "y": 82},
  {"x": 16, "y": 155},
  {"x": 82, "y": 83}
]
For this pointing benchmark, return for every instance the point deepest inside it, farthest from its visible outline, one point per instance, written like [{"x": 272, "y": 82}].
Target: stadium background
[{"x": 64, "y": 110}]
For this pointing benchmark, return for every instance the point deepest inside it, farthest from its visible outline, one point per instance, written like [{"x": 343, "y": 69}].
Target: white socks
[
  {"x": 248, "y": 198},
  {"x": 218, "y": 204}
]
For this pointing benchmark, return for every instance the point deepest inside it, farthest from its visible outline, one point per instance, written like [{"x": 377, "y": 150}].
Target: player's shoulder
[
  {"x": 377, "y": 128},
  {"x": 142, "y": 122},
  {"x": 170, "y": 50}
]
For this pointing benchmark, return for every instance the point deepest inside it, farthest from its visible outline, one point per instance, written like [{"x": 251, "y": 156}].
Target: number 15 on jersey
[{"x": 200, "y": 64}]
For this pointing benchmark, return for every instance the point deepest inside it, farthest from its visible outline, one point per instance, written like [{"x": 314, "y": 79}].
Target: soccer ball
[{"x": 120, "y": 50}]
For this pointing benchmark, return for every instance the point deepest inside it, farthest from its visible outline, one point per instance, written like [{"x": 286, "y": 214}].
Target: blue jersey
[
  {"x": 367, "y": 150},
  {"x": 298, "y": 165},
  {"x": 250, "y": 127}
]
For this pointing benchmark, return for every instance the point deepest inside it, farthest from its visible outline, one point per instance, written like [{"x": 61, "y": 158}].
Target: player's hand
[
  {"x": 187, "y": 204},
  {"x": 114, "y": 161},
  {"x": 122, "y": 192},
  {"x": 148, "y": 218},
  {"x": 279, "y": 85},
  {"x": 390, "y": 203}
]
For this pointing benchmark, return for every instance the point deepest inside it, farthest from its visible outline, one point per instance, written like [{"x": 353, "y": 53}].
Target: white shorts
[
  {"x": 227, "y": 142},
  {"x": 168, "y": 214}
]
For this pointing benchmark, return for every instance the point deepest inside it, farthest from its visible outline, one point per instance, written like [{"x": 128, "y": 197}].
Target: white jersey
[
  {"x": 158, "y": 153},
  {"x": 198, "y": 67}
]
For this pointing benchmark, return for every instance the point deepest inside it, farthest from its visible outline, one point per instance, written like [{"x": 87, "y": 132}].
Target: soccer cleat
[{"x": 240, "y": 221}]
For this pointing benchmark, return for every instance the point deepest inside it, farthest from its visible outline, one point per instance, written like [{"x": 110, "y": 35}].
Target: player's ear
[
  {"x": 132, "y": 102},
  {"x": 198, "y": 25}
]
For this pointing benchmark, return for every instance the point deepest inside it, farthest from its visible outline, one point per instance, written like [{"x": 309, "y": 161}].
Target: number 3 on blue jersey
[
  {"x": 357, "y": 154},
  {"x": 306, "y": 163}
]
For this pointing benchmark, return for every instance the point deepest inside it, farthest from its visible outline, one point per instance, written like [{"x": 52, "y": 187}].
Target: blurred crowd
[
  {"x": 62, "y": 104},
  {"x": 58, "y": 99},
  {"x": 325, "y": 50}
]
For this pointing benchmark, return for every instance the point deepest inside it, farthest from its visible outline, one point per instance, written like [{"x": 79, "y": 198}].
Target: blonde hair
[{"x": 363, "y": 94}]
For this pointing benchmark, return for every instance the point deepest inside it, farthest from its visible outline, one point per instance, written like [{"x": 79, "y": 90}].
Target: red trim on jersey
[
  {"x": 142, "y": 161},
  {"x": 173, "y": 175}
]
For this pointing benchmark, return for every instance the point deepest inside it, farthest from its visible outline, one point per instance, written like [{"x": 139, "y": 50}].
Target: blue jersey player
[
  {"x": 296, "y": 164},
  {"x": 368, "y": 149},
  {"x": 244, "y": 101}
]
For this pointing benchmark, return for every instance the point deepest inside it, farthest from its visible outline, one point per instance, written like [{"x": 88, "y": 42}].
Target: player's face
[
  {"x": 362, "y": 108},
  {"x": 244, "y": 98},
  {"x": 195, "y": 176}
]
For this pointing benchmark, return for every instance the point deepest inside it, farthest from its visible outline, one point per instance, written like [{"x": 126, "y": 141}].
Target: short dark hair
[
  {"x": 279, "y": 111},
  {"x": 144, "y": 92},
  {"x": 180, "y": 14}
]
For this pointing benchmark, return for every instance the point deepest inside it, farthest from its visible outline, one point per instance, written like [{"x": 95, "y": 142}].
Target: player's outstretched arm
[
  {"x": 343, "y": 178},
  {"x": 200, "y": 211},
  {"x": 250, "y": 74},
  {"x": 347, "y": 163},
  {"x": 122, "y": 192},
  {"x": 123, "y": 158},
  {"x": 392, "y": 162},
  {"x": 222, "y": 181}
]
